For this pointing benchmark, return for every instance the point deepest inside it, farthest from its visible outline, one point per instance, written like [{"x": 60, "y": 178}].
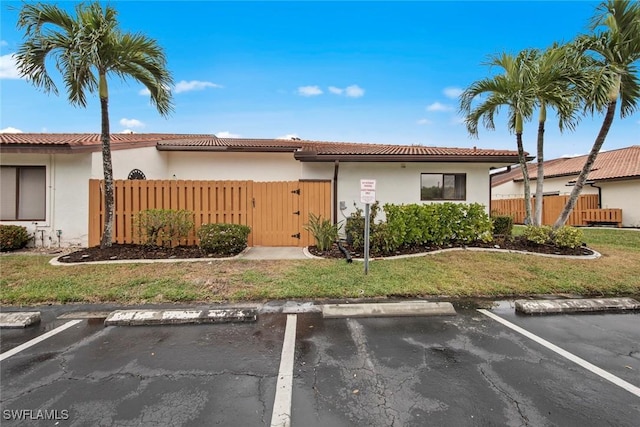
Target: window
[
  {"x": 23, "y": 193},
  {"x": 443, "y": 186}
]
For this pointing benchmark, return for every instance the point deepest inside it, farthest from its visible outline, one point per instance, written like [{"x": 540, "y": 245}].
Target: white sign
[
  {"x": 367, "y": 197},
  {"x": 368, "y": 184}
]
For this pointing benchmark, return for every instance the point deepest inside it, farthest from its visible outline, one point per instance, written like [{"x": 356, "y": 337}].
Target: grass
[{"x": 30, "y": 280}]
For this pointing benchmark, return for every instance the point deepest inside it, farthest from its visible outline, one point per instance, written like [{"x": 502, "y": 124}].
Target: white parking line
[
  {"x": 575, "y": 359},
  {"x": 281, "y": 416},
  {"x": 36, "y": 340}
]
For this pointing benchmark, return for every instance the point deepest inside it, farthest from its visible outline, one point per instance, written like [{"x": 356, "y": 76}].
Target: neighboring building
[
  {"x": 615, "y": 176},
  {"x": 45, "y": 176}
]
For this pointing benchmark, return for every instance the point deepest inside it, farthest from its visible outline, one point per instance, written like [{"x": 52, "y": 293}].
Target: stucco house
[
  {"x": 45, "y": 177},
  {"x": 615, "y": 178}
]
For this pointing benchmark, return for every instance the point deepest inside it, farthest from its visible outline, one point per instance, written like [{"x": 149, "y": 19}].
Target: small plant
[
  {"x": 502, "y": 225},
  {"x": 13, "y": 237},
  {"x": 567, "y": 237},
  {"x": 323, "y": 231},
  {"x": 540, "y": 235},
  {"x": 223, "y": 239},
  {"x": 163, "y": 226}
]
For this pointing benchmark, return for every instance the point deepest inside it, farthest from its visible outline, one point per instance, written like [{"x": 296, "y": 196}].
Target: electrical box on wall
[{"x": 343, "y": 205}]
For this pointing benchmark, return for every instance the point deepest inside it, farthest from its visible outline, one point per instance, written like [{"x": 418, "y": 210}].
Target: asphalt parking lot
[{"x": 464, "y": 370}]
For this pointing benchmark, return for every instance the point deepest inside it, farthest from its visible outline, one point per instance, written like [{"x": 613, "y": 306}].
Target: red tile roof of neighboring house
[
  {"x": 314, "y": 151},
  {"x": 615, "y": 164}
]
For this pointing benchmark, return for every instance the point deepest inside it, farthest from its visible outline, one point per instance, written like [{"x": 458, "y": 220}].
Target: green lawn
[{"x": 29, "y": 279}]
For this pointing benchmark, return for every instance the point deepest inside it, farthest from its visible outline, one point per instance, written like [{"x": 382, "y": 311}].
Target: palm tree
[
  {"x": 613, "y": 52},
  {"x": 86, "y": 49},
  {"x": 512, "y": 89},
  {"x": 555, "y": 81}
]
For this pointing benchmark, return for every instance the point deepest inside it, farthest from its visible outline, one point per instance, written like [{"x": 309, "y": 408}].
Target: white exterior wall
[
  {"x": 150, "y": 161},
  {"x": 626, "y": 196},
  {"x": 515, "y": 190},
  {"x": 233, "y": 166},
  {"x": 399, "y": 183},
  {"x": 67, "y": 196}
]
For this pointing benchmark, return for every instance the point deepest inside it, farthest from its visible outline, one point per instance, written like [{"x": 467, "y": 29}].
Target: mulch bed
[{"x": 132, "y": 252}]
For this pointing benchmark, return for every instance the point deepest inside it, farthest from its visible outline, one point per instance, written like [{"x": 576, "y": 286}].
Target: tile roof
[
  {"x": 303, "y": 150},
  {"x": 614, "y": 164},
  {"x": 86, "y": 141}
]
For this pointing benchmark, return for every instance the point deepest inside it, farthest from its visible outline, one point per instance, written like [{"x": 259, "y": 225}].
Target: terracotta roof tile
[
  {"x": 614, "y": 164},
  {"x": 304, "y": 150}
]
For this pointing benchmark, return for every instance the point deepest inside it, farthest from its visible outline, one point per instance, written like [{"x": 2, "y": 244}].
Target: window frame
[
  {"x": 17, "y": 192},
  {"x": 442, "y": 179}
]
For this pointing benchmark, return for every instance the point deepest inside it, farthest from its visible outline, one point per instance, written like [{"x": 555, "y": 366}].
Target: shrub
[
  {"x": 13, "y": 237},
  {"x": 354, "y": 228},
  {"x": 502, "y": 225},
  {"x": 223, "y": 239},
  {"x": 323, "y": 231},
  {"x": 567, "y": 237},
  {"x": 163, "y": 226},
  {"x": 540, "y": 235}
]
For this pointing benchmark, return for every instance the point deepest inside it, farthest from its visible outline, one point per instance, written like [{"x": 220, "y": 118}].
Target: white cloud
[
  {"x": 8, "y": 67},
  {"x": 424, "y": 122},
  {"x": 336, "y": 90},
  {"x": 10, "y": 130},
  {"x": 289, "y": 136},
  {"x": 309, "y": 91},
  {"x": 188, "y": 86},
  {"x": 227, "y": 134},
  {"x": 144, "y": 92},
  {"x": 127, "y": 131},
  {"x": 131, "y": 123},
  {"x": 452, "y": 92},
  {"x": 354, "y": 91},
  {"x": 436, "y": 106}
]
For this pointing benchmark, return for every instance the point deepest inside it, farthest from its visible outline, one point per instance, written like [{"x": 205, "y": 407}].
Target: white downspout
[{"x": 52, "y": 197}]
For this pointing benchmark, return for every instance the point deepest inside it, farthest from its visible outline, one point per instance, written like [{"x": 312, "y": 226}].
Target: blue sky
[{"x": 380, "y": 72}]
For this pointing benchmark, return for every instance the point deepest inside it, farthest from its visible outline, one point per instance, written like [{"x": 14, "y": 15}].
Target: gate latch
[{"x": 296, "y": 236}]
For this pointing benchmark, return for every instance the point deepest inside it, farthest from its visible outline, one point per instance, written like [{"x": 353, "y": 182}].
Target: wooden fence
[
  {"x": 287, "y": 205},
  {"x": 551, "y": 208}
]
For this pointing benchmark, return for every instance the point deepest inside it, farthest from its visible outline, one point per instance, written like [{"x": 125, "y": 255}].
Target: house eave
[
  {"x": 225, "y": 149},
  {"x": 407, "y": 158}
]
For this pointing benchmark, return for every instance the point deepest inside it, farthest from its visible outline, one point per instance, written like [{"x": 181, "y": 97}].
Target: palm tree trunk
[
  {"x": 107, "y": 234},
  {"x": 540, "y": 178},
  {"x": 525, "y": 175},
  {"x": 597, "y": 145}
]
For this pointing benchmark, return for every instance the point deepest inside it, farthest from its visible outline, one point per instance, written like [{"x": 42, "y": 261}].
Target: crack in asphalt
[{"x": 492, "y": 383}]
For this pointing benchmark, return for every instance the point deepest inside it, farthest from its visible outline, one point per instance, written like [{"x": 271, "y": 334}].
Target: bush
[
  {"x": 13, "y": 237},
  {"x": 354, "y": 229},
  {"x": 540, "y": 235},
  {"x": 567, "y": 237},
  {"x": 323, "y": 231},
  {"x": 223, "y": 239},
  {"x": 502, "y": 225},
  {"x": 163, "y": 226}
]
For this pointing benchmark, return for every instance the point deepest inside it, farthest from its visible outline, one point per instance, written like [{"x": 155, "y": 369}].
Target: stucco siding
[
  {"x": 515, "y": 190},
  {"x": 234, "y": 166},
  {"x": 626, "y": 196},
  {"x": 399, "y": 183},
  {"x": 66, "y": 205},
  {"x": 150, "y": 161}
]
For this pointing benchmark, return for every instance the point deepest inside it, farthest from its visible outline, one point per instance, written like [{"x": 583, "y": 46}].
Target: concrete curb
[
  {"x": 399, "y": 309},
  {"x": 55, "y": 261},
  {"x": 595, "y": 255},
  {"x": 19, "y": 319},
  {"x": 180, "y": 317},
  {"x": 587, "y": 305}
]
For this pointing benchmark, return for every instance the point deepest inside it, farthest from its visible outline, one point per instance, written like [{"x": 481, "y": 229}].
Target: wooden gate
[
  {"x": 281, "y": 209},
  {"x": 275, "y": 211}
]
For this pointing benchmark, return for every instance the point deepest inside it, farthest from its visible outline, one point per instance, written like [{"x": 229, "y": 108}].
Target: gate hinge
[
  {"x": 297, "y": 191},
  {"x": 296, "y": 213},
  {"x": 297, "y": 235}
]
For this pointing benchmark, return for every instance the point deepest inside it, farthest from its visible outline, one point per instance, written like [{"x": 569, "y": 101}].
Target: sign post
[{"x": 367, "y": 196}]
